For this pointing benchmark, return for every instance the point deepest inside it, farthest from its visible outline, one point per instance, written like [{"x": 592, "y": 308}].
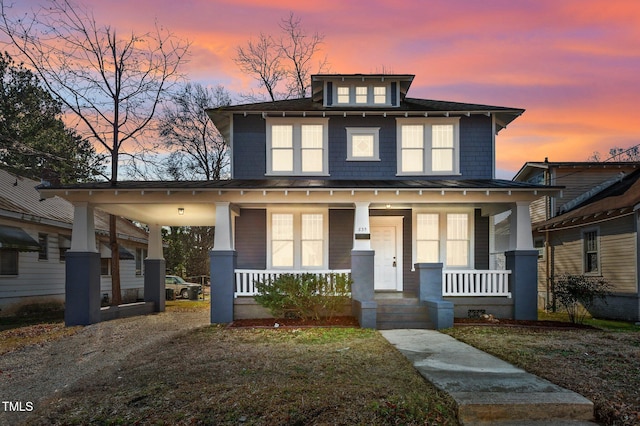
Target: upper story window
[
  {"x": 297, "y": 147},
  {"x": 363, "y": 144},
  {"x": 428, "y": 146}
]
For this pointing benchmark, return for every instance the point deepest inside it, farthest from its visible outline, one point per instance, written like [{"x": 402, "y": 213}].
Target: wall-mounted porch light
[{"x": 180, "y": 211}]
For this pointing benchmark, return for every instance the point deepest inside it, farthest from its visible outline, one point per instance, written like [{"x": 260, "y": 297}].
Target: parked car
[{"x": 180, "y": 286}]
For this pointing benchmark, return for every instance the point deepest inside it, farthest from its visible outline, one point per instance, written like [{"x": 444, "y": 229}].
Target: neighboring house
[
  {"x": 589, "y": 228},
  {"x": 35, "y": 235},
  {"x": 592, "y": 230},
  {"x": 361, "y": 179}
]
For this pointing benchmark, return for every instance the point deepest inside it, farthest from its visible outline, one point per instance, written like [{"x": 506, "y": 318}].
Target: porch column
[
  {"x": 155, "y": 270},
  {"x": 523, "y": 283},
  {"x": 364, "y": 306},
  {"x": 223, "y": 265},
  {"x": 82, "y": 270},
  {"x": 520, "y": 237},
  {"x": 440, "y": 310},
  {"x": 522, "y": 261}
]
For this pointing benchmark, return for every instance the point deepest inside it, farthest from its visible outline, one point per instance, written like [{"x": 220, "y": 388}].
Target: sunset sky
[{"x": 573, "y": 65}]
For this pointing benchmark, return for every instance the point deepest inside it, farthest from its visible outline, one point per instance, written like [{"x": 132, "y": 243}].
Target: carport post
[
  {"x": 223, "y": 266},
  {"x": 155, "y": 270},
  {"x": 82, "y": 270}
]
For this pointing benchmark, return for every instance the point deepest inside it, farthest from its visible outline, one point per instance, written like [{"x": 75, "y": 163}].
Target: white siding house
[{"x": 34, "y": 236}]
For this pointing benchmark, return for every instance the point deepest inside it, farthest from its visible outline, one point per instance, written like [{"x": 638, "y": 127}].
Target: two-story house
[
  {"x": 590, "y": 228},
  {"x": 359, "y": 178}
]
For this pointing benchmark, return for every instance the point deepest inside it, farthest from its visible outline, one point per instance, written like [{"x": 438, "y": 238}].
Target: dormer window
[
  {"x": 362, "y": 94},
  {"x": 380, "y": 95},
  {"x": 343, "y": 94}
]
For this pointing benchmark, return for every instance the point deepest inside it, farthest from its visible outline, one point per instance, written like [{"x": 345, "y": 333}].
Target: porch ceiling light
[{"x": 180, "y": 211}]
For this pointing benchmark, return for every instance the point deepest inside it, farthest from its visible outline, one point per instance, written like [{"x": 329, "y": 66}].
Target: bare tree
[
  {"x": 300, "y": 49},
  {"x": 198, "y": 150},
  {"x": 286, "y": 60},
  {"x": 261, "y": 60},
  {"x": 112, "y": 85},
  {"x": 618, "y": 154}
]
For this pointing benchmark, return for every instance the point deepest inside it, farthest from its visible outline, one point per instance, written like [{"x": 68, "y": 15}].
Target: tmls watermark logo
[{"x": 17, "y": 406}]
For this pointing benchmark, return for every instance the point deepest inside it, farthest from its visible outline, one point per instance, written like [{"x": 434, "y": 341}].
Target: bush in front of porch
[{"x": 307, "y": 296}]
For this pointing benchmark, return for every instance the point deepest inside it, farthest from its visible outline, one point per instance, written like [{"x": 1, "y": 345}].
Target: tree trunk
[{"x": 116, "y": 296}]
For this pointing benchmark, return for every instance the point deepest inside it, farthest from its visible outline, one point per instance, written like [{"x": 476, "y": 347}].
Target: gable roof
[
  {"x": 21, "y": 201},
  {"x": 531, "y": 166},
  {"x": 620, "y": 199}
]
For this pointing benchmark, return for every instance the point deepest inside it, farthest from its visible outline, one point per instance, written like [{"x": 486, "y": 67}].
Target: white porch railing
[
  {"x": 475, "y": 283},
  {"x": 246, "y": 278},
  {"x": 463, "y": 282}
]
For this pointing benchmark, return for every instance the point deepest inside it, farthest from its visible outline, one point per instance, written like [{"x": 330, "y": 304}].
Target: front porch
[{"x": 468, "y": 292}]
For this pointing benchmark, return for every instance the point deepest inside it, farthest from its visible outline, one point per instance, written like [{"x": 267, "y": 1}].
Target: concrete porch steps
[
  {"x": 486, "y": 389},
  {"x": 401, "y": 312}
]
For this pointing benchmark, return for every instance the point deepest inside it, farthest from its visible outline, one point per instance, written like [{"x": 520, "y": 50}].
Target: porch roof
[
  {"x": 240, "y": 184},
  {"x": 192, "y": 203}
]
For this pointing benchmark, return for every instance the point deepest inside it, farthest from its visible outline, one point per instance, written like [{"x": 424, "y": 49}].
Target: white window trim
[
  {"x": 297, "y": 145},
  {"x": 442, "y": 223},
  {"x": 583, "y": 247},
  {"x": 427, "y": 145},
  {"x": 297, "y": 213},
  {"x": 375, "y": 131}
]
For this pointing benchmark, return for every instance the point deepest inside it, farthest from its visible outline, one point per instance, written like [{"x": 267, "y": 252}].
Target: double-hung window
[
  {"x": 43, "y": 241},
  {"x": 8, "y": 262},
  {"x": 428, "y": 146},
  {"x": 298, "y": 240},
  {"x": 591, "y": 252},
  {"x": 444, "y": 237},
  {"x": 297, "y": 147},
  {"x": 428, "y": 238}
]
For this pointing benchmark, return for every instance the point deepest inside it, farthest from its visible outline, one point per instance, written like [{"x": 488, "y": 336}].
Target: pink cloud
[{"x": 572, "y": 65}]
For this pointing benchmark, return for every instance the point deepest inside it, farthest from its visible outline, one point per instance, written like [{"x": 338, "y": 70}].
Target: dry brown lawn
[
  {"x": 602, "y": 365},
  {"x": 220, "y": 375}
]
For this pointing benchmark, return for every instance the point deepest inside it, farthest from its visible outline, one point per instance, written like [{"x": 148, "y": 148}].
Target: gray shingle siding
[
  {"x": 251, "y": 239},
  {"x": 340, "y": 168},
  {"x": 476, "y": 148},
  {"x": 481, "y": 241},
  {"x": 249, "y": 147},
  {"x": 340, "y": 238}
]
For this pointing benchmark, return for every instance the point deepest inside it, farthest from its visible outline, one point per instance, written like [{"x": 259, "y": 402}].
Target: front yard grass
[
  {"x": 601, "y": 364},
  {"x": 219, "y": 375}
]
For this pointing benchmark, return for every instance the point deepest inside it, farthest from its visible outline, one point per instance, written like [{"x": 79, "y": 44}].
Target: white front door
[{"x": 386, "y": 241}]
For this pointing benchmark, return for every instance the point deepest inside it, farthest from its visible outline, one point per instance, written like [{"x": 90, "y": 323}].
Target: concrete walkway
[{"x": 487, "y": 389}]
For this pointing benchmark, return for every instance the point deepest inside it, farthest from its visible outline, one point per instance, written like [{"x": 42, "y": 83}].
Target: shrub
[
  {"x": 578, "y": 293},
  {"x": 306, "y": 296}
]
